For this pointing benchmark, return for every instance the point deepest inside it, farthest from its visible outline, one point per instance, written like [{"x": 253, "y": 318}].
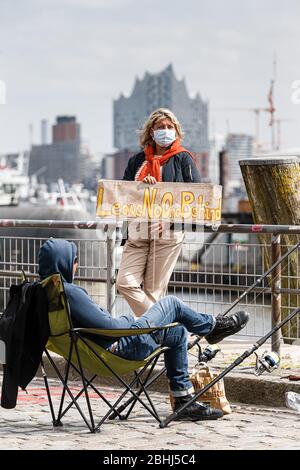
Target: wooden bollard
[{"x": 273, "y": 187}]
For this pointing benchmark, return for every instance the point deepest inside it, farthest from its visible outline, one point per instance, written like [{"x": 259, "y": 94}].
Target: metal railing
[{"x": 215, "y": 266}]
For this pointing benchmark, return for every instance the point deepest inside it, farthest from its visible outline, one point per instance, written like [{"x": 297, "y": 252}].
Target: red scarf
[{"x": 152, "y": 164}]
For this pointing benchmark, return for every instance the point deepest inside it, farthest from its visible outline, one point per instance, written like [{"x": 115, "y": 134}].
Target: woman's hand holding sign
[{"x": 149, "y": 180}]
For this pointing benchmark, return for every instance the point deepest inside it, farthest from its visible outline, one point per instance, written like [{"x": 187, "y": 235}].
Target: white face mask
[{"x": 164, "y": 137}]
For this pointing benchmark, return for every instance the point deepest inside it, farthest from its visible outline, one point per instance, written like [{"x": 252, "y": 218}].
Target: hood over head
[{"x": 57, "y": 255}]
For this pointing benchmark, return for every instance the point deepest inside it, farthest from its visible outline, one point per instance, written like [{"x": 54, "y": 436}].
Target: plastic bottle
[{"x": 292, "y": 400}]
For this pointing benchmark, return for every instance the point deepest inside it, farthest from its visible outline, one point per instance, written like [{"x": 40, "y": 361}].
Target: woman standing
[{"x": 148, "y": 262}]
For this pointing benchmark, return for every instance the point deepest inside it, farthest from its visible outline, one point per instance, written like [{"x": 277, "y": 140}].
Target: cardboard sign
[{"x": 189, "y": 202}]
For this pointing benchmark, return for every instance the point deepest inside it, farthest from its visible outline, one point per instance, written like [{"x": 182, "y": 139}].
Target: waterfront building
[
  {"x": 62, "y": 158},
  {"x": 238, "y": 147},
  {"x": 155, "y": 91}
]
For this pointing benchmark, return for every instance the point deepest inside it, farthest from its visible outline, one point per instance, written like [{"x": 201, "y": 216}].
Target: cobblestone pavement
[{"x": 29, "y": 426}]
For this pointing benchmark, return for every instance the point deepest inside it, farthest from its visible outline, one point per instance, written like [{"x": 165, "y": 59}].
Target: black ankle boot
[
  {"x": 226, "y": 326},
  {"x": 196, "y": 411}
]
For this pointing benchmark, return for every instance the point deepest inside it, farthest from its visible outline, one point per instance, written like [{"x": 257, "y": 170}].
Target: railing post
[
  {"x": 111, "y": 270},
  {"x": 276, "y": 295}
]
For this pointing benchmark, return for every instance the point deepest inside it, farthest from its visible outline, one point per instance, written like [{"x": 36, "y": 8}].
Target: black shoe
[
  {"x": 226, "y": 326},
  {"x": 196, "y": 411}
]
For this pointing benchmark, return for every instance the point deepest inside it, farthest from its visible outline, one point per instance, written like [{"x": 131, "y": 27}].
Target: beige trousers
[{"x": 145, "y": 270}]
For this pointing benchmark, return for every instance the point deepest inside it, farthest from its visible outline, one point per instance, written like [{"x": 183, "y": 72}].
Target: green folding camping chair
[{"x": 82, "y": 354}]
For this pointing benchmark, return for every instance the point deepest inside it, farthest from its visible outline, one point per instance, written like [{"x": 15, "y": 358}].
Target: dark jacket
[
  {"x": 24, "y": 328},
  {"x": 178, "y": 169},
  {"x": 58, "y": 256}
]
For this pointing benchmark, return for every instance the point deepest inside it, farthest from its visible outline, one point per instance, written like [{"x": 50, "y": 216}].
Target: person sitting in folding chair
[{"x": 60, "y": 256}]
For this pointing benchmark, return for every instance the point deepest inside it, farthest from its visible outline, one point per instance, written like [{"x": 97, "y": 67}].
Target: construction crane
[
  {"x": 256, "y": 112},
  {"x": 270, "y": 109}
]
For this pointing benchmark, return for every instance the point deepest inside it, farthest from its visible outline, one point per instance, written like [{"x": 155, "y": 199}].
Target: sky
[{"x": 75, "y": 57}]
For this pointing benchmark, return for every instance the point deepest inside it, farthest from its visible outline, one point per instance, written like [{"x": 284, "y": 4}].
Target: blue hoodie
[{"x": 57, "y": 255}]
